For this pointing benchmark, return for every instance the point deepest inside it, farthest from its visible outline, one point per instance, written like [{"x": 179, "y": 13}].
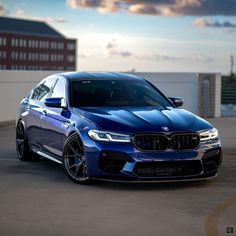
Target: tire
[
  {"x": 74, "y": 161},
  {"x": 22, "y": 146}
]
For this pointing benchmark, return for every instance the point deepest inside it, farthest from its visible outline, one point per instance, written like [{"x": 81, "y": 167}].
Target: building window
[
  {"x": 43, "y": 57},
  {"x": 2, "y": 41},
  {"x": 15, "y": 67},
  {"x": 53, "y": 45},
  {"x": 70, "y": 58},
  {"x": 70, "y": 68},
  {"x": 61, "y": 46},
  {"x": 12, "y": 42},
  {"x": 21, "y": 43},
  {"x": 2, "y": 55},
  {"x": 70, "y": 46},
  {"x": 2, "y": 66}
]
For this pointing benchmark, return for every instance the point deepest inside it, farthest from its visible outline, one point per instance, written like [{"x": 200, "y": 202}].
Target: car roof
[{"x": 99, "y": 75}]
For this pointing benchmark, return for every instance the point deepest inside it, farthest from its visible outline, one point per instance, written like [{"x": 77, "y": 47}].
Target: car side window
[
  {"x": 43, "y": 90},
  {"x": 59, "y": 91}
]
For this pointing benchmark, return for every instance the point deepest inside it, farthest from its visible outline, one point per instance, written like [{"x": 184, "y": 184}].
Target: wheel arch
[
  {"x": 20, "y": 119},
  {"x": 74, "y": 132}
]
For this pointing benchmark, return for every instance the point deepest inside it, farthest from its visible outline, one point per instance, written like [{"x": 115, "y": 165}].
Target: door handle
[
  {"x": 28, "y": 107},
  {"x": 66, "y": 124},
  {"x": 44, "y": 112}
]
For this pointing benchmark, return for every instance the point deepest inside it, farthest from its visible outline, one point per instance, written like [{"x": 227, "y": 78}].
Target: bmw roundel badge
[{"x": 164, "y": 128}]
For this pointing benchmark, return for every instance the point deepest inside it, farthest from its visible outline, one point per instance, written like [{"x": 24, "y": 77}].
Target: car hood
[{"x": 147, "y": 119}]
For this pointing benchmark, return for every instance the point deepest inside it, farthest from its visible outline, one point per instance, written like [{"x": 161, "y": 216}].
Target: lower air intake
[{"x": 168, "y": 168}]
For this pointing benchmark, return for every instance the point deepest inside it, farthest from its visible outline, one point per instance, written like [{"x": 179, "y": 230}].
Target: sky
[{"x": 140, "y": 35}]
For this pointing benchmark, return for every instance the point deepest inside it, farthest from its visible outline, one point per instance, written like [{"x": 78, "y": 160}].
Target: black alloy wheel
[
  {"x": 74, "y": 161},
  {"x": 22, "y": 146}
]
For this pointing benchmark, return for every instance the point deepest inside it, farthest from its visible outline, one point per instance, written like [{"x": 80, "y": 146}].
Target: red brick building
[{"x": 34, "y": 45}]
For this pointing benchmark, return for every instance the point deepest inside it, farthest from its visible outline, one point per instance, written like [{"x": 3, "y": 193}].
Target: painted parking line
[{"x": 212, "y": 221}]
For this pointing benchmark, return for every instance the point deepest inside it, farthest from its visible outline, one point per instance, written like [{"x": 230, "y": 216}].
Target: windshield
[{"x": 104, "y": 93}]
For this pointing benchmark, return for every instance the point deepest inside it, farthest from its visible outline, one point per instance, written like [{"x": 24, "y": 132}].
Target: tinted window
[
  {"x": 59, "y": 90},
  {"x": 44, "y": 90},
  {"x": 115, "y": 93}
]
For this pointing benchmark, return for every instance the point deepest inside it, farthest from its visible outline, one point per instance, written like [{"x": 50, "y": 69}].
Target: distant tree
[{"x": 228, "y": 79}]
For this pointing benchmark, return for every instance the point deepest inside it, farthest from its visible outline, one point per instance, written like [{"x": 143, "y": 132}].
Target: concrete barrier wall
[
  {"x": 15, "y": 85},
  {"x": 184, "y": 85},
  {"x": 209, "y": 95}
]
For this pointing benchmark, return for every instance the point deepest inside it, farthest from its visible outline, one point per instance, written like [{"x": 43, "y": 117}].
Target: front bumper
[{"x": 123, "y": 162}]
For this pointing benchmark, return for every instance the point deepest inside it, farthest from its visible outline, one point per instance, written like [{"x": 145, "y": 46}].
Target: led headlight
[
  {"x": 208, "y": 135},
  {"x": 108, "y": 136}
]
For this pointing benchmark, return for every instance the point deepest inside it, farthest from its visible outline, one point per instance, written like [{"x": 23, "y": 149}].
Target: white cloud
[
  {"x": 20, "y": 13},
  {"x": 201, "y": 22},
  {"x": 3, "y": 10},
  {"x": 113, "y": 50},
  {"x": 160, "y": 7}
]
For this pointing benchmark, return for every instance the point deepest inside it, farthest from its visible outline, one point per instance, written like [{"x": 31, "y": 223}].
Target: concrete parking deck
[{"x": 36, "y": 198}]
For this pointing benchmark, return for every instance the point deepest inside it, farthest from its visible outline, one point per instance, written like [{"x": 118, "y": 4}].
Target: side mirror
[
  {"x": 177, "y": 101},
  {"x": 55, "y": 102}
]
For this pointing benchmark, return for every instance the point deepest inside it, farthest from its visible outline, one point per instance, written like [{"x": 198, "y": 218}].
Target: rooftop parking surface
[{"x": 37, "y": 198}]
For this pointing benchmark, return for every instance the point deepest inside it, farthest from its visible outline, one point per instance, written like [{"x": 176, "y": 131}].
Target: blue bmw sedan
[{"x": 115, "y": 126}]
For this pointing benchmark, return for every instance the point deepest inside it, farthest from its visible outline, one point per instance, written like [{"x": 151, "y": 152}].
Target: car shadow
[
  {"x": 54, "y": 172},
  {"x": 152, "y": 186}
]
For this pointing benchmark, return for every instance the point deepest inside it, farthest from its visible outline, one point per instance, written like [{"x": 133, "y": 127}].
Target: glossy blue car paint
[{"x": 48, "y": 128}]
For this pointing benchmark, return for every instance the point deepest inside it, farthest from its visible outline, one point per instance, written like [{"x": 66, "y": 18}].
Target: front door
[{"x": 54, "y": 122}]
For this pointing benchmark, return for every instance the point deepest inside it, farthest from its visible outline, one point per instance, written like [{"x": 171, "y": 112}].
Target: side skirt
[{"x": 48, "y": 157}]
